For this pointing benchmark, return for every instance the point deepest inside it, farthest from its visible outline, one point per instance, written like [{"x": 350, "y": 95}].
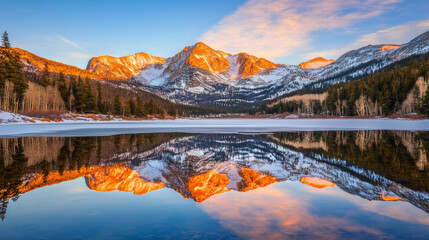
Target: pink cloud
[
  {"x": 273, "y": 28},
  {"x": 399, "y": 34},
  {"x": 278, "y": 214}
]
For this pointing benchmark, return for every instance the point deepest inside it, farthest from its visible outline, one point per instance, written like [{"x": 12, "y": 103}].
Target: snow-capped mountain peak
[{"x": 201, "y": 75}]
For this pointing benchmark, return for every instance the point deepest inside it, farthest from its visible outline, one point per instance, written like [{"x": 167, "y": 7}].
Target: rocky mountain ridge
[
  {"x": 202, "y": 76},
  {"x": 197, "y": 86}
]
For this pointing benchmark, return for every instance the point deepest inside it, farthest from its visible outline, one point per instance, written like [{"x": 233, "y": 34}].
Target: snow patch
[
  {"x": 234, "y": 67},
  {"x": 153, "y": 75},
  {"x": 7, "y": 117}
]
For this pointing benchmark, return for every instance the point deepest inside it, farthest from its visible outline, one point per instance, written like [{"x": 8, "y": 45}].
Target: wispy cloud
[
  {"x": 273, "y": 28},
  {"x": 68, "y": 41},
  {"x": 394, "y": 35}
]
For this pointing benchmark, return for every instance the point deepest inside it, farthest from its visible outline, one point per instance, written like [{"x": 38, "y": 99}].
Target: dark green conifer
[
  {"x": 117, "y": 105},
  {"x": 62, "y": 87},
  {"x": 5, "y": 40},
  {"x": 45, "y": 78}
]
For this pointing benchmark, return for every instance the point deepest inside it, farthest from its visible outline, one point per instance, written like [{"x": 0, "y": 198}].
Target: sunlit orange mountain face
[
  {"x": 200, "y": 56},
  {"x": 122, "y": 67},
  {"x": 389, "y": 47},
  {"x": 315, "y": 63},
  {"x": 202, "y": 76}
]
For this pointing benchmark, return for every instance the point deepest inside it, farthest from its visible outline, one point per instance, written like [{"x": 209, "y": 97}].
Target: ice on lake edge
[{"x": 206, "y": 126}]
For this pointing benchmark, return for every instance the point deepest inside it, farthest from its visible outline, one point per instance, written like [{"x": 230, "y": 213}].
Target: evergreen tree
[
  {"x": 151, "y": 107},
  {"x": 100, "y": 106},
  {"x": 132, "y": 107},
  {"x": 171, "y": 110},
  {"x": 72, "y": 93},
  {"x": 107, "y": 107},
  {"x": 140, "y": 108},
  {"x": 11, "y": 70},
  {"x": 3, "y": 72},
  {"x": 79, "y": 102},
  {"x": 117, "y": 105},
  {"x": 89, "y": 98},
  {"x": 45, "y": 78},
  {"x": 5, "y": 40},
  {"x": 62, "y": 87},
  {"x": 126, "y": 110},
  {"x": 85, "y": 101}
]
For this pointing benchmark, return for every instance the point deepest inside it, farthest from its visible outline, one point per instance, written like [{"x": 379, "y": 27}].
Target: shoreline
[
  {"x": 14, "y": 118},
  {"x": 206, "y": 126}
]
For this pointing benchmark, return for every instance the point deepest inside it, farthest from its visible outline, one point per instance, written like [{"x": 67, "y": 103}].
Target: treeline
[
  {"x": 299, "y": 106},
  {"x": 381, "y": 93},
  {"x": 24, "y": 89}
]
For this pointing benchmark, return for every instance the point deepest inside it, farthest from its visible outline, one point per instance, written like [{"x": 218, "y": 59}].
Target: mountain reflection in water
[{"x": 231, "y": 177}]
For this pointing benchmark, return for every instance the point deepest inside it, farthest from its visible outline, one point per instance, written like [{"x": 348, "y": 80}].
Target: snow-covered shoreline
[{"x": 247, "y": 126}]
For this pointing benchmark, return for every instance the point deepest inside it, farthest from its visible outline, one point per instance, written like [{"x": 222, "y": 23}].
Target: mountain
[
  {"x": 315, "y": 63},
  {"x": 202, "y": 76},
  {"x": 201, "y": 66},
  {"x": 122, "y": 67},
  {"x": 33, "y": 63}
]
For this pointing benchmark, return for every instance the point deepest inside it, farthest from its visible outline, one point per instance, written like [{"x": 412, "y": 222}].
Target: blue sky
[{"x": 285, "y": 31}]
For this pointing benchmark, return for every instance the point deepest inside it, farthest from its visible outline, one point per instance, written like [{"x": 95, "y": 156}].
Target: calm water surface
[{"x": 326, "y": 184}]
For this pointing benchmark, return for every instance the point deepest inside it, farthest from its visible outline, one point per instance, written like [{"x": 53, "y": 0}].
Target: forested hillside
[
  {"x": 401, "y": 89},
  {"x": 56, "y": 87}
]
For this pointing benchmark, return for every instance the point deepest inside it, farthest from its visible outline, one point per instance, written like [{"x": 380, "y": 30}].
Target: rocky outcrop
[
  {"x": 250, "y": 65},
  {"x": 315, "y": 63},
  {"x": 122, "y": 67},
  {"x": 389, "y": 47}
]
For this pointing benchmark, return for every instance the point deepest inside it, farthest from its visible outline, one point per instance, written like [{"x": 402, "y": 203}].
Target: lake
[{"x": 356, "y": 184}]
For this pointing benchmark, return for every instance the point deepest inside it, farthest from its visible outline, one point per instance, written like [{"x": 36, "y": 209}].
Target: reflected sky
[
  {"x": 279, "y": 211},
  {"x": 222, "y": 186}
]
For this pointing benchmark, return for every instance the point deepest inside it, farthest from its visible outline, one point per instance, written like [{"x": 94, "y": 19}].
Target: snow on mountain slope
[
  {"x": 200, "y": 75},
  {"x": 272, "y": 83},
  {"x": 418, "y": 45},
  {"x": 181, "y": 70},
  {"x": 234, "y": 67}
]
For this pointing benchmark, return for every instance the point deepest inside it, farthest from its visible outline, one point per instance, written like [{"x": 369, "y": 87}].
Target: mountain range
[{"x": 202, "y": 76}]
